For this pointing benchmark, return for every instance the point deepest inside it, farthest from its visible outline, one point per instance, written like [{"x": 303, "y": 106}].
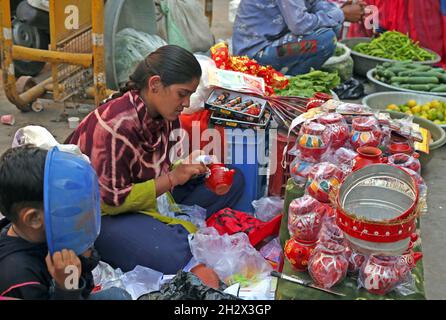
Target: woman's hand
[
  {"x": 353, "y": 12},
  {"x": 184, "y": 172}
]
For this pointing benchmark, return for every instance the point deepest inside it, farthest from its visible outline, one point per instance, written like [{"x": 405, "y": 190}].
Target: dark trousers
[{"x": 132, "y": 239}]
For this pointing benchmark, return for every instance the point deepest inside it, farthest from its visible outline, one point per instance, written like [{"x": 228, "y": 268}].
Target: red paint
[{"x": 338, "y": 128}]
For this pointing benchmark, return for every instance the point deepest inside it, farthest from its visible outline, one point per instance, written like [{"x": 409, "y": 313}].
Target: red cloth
[
  {"x": 231, "y": 221},
  {"x": 422, "y": 20}
]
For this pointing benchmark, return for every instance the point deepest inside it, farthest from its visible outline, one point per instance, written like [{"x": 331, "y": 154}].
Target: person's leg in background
[
  {"x": 112, "y": 293},
  {"x": 196, "y": 193},
  {"x": 295, "y": 55},
  {"x": 132, "y": 239}
]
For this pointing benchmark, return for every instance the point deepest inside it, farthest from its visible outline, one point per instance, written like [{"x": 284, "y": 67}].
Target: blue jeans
[
  {"x": 112, "y": 293},
  {"x": 295, "y": 55}
]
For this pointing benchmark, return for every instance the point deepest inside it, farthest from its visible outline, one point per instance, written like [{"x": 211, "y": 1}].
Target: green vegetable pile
[
  {"x": 307, "y": 85},
  {"x": 412, "y": 76},
  {"x": 395, "y": 46}
]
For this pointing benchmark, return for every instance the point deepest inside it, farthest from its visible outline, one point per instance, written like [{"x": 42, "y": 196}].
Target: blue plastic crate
[{"x": 247, "y": 150}]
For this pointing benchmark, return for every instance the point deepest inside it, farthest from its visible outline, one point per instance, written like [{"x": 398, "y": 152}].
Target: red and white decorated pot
[
  {"x": 313, "y": 141},
  {"x": 298, "y": 253},
  {"x": 305, "y": 218},
  {"x": 328, "y": 264},
  {"x": 322, "y": 179},
  {"x": 365, "y": 132},
  {"x": 338, "y": 128},
  {"x": 381, "y": 274}
]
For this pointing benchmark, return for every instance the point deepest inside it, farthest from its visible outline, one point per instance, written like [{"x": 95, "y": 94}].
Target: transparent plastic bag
[
  {"x": 231, "y": 256},
  {"x": 133, "y": 46},
  {"x": 141, "y": 280},
  {"x": 343, "y": 158},
  {"x": 328, "y": 264},
  {"x": 403, "y": 160},
  {"x": 322, "y": 180},
  {"x": 106, "y": 277},
  {"x": 204, "y": 89},
  {"x": 267, "y": 208},
  {"x": 194, "y": 214},
  {"x": 305, "y": 216},
  {"x": 382, "y": 274},
  {"x": 273, "y": 252},
  {"x": 233, "y": 7},
  {"x": 300, "y": 169},
  {"x": 342, "y": 64}
]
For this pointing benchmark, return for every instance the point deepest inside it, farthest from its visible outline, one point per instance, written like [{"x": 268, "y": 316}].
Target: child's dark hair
[
  {"x": 172, "y": 63},
  {"x": 22, "y": 171}
]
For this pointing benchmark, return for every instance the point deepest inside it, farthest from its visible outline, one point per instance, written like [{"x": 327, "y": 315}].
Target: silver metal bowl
[{"x": 364, "y": 62}]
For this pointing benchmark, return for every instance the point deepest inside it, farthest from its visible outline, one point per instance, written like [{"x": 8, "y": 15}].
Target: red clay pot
[
  {"x": 220, "y": 179},
  {"x": 367, "y": 156}
]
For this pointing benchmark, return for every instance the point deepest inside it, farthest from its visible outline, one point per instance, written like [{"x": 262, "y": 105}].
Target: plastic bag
[
  {"x": 204, "y": 89},
  {"x": 187, "y": 286},
  {"x": 40, "y": 137},
  {"x": 350, "y": 89},
  {"x": 106, "y": 277},
  {"x": 133, "y": 46},
  {"x": 328, "y": 264},
  {"x": 187, "y": 25},
  {"x": 233, "y": 7},
  {"x": 405, "y": 161},
  {"x": 343, "y": 158},
  {"x": 342, "y": 63},
  {"x": 267, "y": 208},
  {"x": 194, "y": 214},
  {"x": 305, "y": 218},
  {"x": 383, "y": 274},
  {"x": 273, "y": 252},
  {"x": 300, "y": 169},
  {"x": 230, "y": 256},
  {"x": 322, "y": 180},
  {"x": 141, "y": 280}
]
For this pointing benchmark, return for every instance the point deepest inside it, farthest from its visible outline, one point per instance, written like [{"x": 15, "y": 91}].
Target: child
[{"x": 27, "y": 271}]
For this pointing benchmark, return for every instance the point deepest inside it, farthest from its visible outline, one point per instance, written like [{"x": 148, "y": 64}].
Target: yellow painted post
[
  {"x": 9, "y": 78},
  {"x": 98, "y": 50},
  {"x": 24, "y": 53}
]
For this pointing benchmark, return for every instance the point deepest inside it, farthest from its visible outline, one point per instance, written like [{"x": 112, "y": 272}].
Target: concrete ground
[{"x": 433, "y": 225}]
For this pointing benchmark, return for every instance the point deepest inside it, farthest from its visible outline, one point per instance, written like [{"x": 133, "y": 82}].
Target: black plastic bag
[
  {"x": 187, "y": 286},
  {"x": 350, "y": 90}
]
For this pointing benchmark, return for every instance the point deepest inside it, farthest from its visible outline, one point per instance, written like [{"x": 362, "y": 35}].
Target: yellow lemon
[
  {"x": 411, "y": 103},
  {"x": 393, "y": 107},
  {"x": 416, "y": 109},
  {"x": 437, "y": 121},
  {"x": 425, "y": 107},
  {"x": 435, "y": 104},
  {"x": 408, "y": 112}
]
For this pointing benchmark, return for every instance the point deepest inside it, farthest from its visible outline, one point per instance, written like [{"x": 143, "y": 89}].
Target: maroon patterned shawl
[{"x": 125, "y": 145}]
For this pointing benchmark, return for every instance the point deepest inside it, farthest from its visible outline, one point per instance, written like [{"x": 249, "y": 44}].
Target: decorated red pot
[
  {"x": 381, "y": 274},
  {"x": 403, "y": 160},
  {"x": 337, "y": 127},
  {"x": 298, "y": 253},
  {"x": 328, "y": 264},
  {"x": 220, "y": 179},
  {"x": 367, "y": 156},
  {"x": 322, "y": 179},
  {"x": 365, "y": 132},
  {"x": 305, "y": 218},
  {"x": 300, "y": 169},
  {"x": 313, "y": 141},
  {"x": 323, "y": 96},
  {"x": 330, "y": 232}
]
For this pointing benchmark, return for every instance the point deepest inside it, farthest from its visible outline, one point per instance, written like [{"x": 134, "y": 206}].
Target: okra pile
[
  {"x": 412, "y": 76},
  {"x": 394, "y": 45}
]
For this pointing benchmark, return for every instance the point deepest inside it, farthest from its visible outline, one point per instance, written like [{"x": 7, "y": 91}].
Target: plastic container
[
  {"x": 71, "y": 202},
  {"x": 245, "y": 150},
  {"x": 73, "y": 122}
]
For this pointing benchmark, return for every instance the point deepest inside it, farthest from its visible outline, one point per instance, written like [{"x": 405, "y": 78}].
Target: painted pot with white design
[
  {"x": 305, "y": 218},
  {"x": 328, "y": 264},
  {"x": 377, "y": 207}
]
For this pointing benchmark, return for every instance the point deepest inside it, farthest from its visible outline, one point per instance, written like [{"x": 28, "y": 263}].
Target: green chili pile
[{"x": 395, "y": 46}]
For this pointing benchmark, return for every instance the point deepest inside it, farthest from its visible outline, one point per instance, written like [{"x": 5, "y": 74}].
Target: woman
[{"x": 127, "y": 140}]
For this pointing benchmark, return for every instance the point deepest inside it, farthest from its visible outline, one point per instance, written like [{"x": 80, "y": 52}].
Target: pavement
[{"x": 433, "y": 225}]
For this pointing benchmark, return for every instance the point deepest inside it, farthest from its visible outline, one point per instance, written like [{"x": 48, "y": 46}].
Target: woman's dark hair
[
  {"x": 22, "y": 171},
  {"x": 172, "y": 63}
]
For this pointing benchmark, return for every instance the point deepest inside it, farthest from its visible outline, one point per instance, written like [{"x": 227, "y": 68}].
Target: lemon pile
[{"x": 434, "y": 110}]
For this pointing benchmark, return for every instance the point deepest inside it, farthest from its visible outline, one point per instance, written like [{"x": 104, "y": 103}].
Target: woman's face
[{"x": 170, "y": 101}]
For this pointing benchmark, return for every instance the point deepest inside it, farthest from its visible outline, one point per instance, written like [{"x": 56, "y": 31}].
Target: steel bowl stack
[{"x": 377, "y": 208}]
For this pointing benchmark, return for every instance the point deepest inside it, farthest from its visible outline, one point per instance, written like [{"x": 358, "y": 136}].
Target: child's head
[{"x": 22, "y": 171}]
